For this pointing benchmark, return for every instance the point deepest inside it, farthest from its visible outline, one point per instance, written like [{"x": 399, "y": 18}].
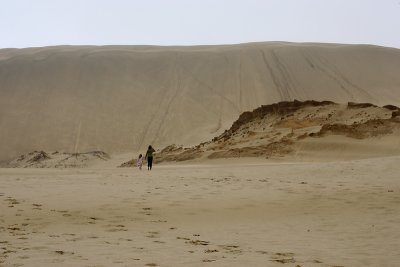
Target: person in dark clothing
[{"x": 149, "y": 157}]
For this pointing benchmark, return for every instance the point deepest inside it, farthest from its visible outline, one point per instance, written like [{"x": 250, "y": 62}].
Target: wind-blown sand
[{"x": 221, "y": 213}]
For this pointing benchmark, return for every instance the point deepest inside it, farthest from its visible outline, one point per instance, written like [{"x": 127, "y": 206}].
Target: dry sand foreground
[{"x": 222, "y": 214}]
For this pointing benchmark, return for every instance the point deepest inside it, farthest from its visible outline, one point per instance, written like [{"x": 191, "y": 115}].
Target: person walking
[
  {"x": 149, "y": 157},
  {"x": 139, "y": 162}
]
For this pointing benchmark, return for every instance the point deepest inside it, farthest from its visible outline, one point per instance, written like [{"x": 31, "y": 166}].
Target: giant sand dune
[{"x": 121, "y": 98}]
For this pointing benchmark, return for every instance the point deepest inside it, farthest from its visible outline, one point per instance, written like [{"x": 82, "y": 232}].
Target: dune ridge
[
  {"x": 122, "y": 98},
  {"x": 286, "y": 130},
  {"x": 56, "y": 159}
]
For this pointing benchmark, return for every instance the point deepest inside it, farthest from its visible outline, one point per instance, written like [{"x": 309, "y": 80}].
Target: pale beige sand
[
  {"x": 220, "y": 213},
  {"x": 123, "y": 98}
]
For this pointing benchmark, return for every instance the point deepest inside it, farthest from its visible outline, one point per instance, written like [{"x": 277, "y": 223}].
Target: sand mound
[
  {"x": 287, "y": 129},
  {"x": 41, "y": 159},
  {"x": 123, "y": 98}
]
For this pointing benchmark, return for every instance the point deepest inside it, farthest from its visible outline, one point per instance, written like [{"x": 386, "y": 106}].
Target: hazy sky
[{"x": 26, "y": 23}]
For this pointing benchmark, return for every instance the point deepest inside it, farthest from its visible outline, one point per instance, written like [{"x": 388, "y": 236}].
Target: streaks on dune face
[
  {"x": 343, "y": 78},
  {"x": 279, "y": 74},
  {"x": 162, "y": 89},
  {"x": 287, "y": 86},
  {"x": 240, "y": 82},
  {"x": 146, "y": 129},
  {"x": 327, "y": 68},
  {"x": 178, "y": 81},
  {"x": 224, "y": 99}
]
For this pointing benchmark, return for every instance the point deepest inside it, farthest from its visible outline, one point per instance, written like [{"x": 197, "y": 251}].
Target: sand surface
[
  {"x": 220, "y": 213},
  {"x": 122, "y": 98}
]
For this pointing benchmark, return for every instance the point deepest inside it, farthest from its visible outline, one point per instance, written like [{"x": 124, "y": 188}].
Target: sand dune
[
  {"x": 121, "y": 98},
  {"x": 55, "y": 159},
  {"x": 295, "y": 130}
]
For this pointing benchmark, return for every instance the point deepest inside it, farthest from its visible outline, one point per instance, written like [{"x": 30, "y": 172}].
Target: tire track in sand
[{"x": 281, "y": 87}]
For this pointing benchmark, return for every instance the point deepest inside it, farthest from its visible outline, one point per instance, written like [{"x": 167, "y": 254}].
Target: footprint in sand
[
  {"x": 92, "y": 220},
  {"x": 3, "y": 248},
  {"x": 63, "y": 212},
  {"x": 283, "y": 258},
  {"x": 37, "y": 207},
  {"x": 232, "y": 249},
  {"x": 211, "y": 250},
  {"x": 146, "y": 211},
  {"x": 14, "y": 227},
  {"x": 183, "y": 238},
  {"x": 61, "y": 252},
  {"x": 159, "y": 221},
  {"x": 208, "y": 260},
  {"x": 54, "y": 236},
  {"x": 11, "y": 202},
  {"x": 153, "y": 234},
  {"x": 116, "y": 228},
  {"x": 316, "y": 261},
  {"x": 198, "y": 242}
]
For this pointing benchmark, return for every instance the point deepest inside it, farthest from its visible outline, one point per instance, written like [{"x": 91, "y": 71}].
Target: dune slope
[{"x": 121, "y": 98}]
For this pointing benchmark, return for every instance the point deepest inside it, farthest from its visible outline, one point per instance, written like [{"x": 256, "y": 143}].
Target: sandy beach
[{"x": 217, "y": 213}]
